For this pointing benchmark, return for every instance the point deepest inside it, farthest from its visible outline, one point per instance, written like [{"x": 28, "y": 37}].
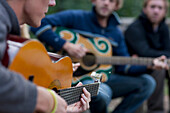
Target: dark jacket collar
[{"x": 146, "y": 22}]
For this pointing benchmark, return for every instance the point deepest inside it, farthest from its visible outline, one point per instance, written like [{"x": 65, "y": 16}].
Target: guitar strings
[
  {"x": 74, "y": 92},
  {"x": 68, "y": 97},
  {"x": 124, "y": 60},
  {"x": 79, "y": 88},
  {"x": 75, "y": 98},
  {"x": 78, "y": 92},
  {"x": 74, "y": 89},
  {"x": 72, "y": 97}
]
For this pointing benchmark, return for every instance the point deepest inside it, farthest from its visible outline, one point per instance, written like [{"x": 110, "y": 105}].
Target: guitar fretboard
[
  {"x": 73, "y": 94},
  {"x": 125, "y": 60}
]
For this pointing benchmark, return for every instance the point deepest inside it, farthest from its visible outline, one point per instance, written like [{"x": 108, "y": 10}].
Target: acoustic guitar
[
  {"x": 47, "y": 69},
  {"x": 100, "y": 56},
  {"x": 99, "y": 46}
]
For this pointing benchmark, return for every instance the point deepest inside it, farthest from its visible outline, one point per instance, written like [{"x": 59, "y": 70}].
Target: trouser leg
[
  {"x": 155, "y": 102},
  {"x": 100, "y": 102},
  {"x": 134, "y": 90}
]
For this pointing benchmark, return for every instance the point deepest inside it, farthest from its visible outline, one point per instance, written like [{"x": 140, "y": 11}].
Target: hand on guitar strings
[
  {"x": 160, "y": 63},
  {"x": 83, "y": 104},
  {"x": 75, "y": 50}
]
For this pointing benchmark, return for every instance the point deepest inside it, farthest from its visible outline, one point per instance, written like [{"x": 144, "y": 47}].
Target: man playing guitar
[{"x": 17, "y": 94}]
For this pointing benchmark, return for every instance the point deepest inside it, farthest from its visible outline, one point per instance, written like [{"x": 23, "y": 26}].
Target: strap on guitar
[{"x": 5, "y": 59}]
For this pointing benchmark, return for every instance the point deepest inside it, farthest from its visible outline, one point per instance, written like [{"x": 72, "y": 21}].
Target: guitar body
[
  {"x": 47, "y": 69},
  {"x": 98, "y": 46},
  {"x": 33, "y": 62}
]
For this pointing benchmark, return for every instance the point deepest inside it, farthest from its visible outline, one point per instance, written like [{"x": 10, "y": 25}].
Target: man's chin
[
  {"x": 104, "y": 15},
  {"x": 35, "y": 24},
  {"x": 155, "y": 22}
]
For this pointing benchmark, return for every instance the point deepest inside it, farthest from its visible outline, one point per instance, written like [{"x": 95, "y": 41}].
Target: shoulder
[
  {"x": 137, "y": 23},
  {"x": 136, "y": 26},
  {"x": 3, "y": 12},
  {"x": 164, "y": 25},
  {"x": 4, "y": 18},
  {"x": 5, "y": 27}
]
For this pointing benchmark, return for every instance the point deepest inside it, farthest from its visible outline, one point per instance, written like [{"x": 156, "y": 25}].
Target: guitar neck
[
  {"x": 118, "y": 60},
  {"x": 73, "y": 94}
]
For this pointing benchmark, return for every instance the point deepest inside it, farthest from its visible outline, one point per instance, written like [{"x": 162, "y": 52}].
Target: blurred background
[{"x": 131, "y": 8}]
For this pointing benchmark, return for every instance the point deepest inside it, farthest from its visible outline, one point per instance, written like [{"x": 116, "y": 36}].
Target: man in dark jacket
[{"x": 148, "y": 36}]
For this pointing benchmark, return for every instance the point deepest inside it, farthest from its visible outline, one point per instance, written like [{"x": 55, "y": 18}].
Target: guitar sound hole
[
  {"x": 89, "y": 59},
  {"x": 31, "y": 78},
  {"x": 55, "y": 89}
]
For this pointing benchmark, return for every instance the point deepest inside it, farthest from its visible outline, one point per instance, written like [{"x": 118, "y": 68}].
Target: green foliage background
[{"x": 131, "y": 8}]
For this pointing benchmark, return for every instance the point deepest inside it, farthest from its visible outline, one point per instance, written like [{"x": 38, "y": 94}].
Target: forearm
[
  {"x": 45, "y": 101},
  {"x": 52, "y": 39},
  {"x": 46, "y": 35},
  {"x": 131, "y": 70}
]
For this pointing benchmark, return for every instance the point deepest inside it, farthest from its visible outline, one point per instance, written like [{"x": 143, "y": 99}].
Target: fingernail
[{"x": 83, "y": 95}]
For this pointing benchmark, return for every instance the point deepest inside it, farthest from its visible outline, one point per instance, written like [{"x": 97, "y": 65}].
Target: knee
[
  {"x": 98, "y": 104},
  {"x": 149, "y": 84},
  {"x": 105, "y": 93},
  {"x": 97, "y": 99}
]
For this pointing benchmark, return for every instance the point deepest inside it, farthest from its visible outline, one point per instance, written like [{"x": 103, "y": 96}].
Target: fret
[
  {"x": 73, "y": 94},
  {"x": 78, "y": 88},
  {"x": 120, "y": 60},
  {"x": 75, "y": 98}
]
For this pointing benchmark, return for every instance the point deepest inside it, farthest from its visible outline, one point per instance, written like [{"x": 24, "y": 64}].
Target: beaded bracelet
[{"x": 55, "y": 100}]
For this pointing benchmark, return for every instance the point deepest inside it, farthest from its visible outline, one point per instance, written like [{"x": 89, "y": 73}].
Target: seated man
[
  {"x": 127, "y": 81},
  {"x": 148, "y": 36}
]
